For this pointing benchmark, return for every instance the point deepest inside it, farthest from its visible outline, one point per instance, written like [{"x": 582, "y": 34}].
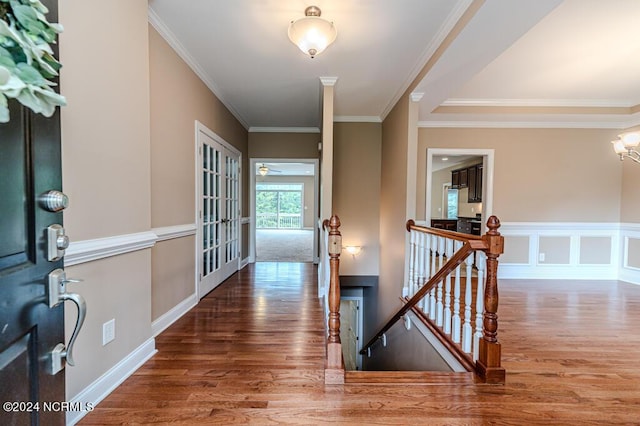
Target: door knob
[
  {"x": 54, "y": 201},
  {"x": 57, "y": 293}
]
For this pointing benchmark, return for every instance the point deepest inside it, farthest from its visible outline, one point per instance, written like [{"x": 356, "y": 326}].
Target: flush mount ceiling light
[
  {"x": 312, "y": 34},
  {"x": 625, "y": 146}
]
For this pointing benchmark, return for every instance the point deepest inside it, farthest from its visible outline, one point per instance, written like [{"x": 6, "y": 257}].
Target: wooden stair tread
[{"x": 408, "y": 377}]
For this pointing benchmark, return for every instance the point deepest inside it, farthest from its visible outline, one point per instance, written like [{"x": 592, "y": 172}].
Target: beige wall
[
  {"x": 541, "y": 175},
  {"x": 630, "y": 205},
  {"x": 178, "y": 99},
  {"x": 173, "y": 273},
  {"x": 393, "y": 201},
  {"x": 309, "y": 205},
  {"x": 356, "y": 193},
  {"x": 106, "y": 161},
  {"x": 117, "y": 287},
  {"x": 105, "y": 127},
  {"x": 284, "y": 145}
]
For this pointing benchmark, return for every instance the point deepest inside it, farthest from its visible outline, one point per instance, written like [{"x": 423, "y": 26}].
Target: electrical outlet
[
  {"x": 108, "y": 331},
  {"x": 541, "y": 257}
]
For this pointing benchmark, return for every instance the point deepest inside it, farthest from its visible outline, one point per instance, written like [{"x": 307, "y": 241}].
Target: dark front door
[{"x": 30, "y": 329}]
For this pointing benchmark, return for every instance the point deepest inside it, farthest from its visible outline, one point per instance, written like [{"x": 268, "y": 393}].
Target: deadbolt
[{"x": 57, "y": 242}]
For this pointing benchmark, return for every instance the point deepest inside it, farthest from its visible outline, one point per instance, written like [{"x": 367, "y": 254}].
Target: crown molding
[
  {"x": 328, "y": 81},
  {"x": 284, "y": 130},
  {"x": 417, "y": 96},
  {"x": 356, "y": 119},
  {"x": 172, "y": 40},
  {"x": 458, "y": 11},
  {"x": 525, "y": 124},
  {"x": 556, "y": 103}
]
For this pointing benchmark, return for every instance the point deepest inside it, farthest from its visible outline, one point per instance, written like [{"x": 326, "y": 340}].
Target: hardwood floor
[{"x": 252, "y": 353}]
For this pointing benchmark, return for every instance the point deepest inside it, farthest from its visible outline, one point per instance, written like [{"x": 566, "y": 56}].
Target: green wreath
[{"x": 27, "y": 64}]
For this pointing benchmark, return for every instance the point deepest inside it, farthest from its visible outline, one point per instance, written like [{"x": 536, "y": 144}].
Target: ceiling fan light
[
  {"x": 312, "y": 34},
  {"x": 263, "y": 170}
]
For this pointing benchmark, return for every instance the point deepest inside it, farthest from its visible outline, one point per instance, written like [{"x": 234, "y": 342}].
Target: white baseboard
[
  {"x": 629, "y": 275},
  {"x": 168, "y": 318},
  {"x": 105, "y": 384},
  {"x": 244, "y": 262},
  {"x": 557, "y": 272}
]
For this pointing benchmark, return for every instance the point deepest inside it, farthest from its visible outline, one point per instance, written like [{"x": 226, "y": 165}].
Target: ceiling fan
[{"x": 263, "y": 170}]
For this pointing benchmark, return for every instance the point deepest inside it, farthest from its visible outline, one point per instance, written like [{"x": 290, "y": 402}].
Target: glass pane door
[{"x": 219, "y": 213}]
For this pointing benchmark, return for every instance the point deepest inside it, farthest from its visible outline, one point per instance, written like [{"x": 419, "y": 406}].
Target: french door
[{"x": 218, "y": 211}]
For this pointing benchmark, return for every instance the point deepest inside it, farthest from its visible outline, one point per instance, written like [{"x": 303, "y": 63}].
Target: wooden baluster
[
  {"x": 432, "y": 292},
  {"x": 334, "y": 370},
  {"x": 489, "y": 364},
  {"x": 456, "y": 323},
  {"x": 467, "y": 331},
  {"x": 447, "y": 291},
  {"x": 440, "y": 305},
  {"x": 480, "y": 264}
]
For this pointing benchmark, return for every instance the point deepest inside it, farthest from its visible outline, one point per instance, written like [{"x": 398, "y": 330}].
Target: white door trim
[
  {"x": 252, "y": 200},
  {"x": 487, "y": 181}
]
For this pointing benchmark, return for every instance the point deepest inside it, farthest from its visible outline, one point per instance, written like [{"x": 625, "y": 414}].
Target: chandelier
[{"x": 625, "y": 146}]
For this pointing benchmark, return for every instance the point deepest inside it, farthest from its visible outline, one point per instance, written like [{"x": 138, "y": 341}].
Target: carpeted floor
[{"x": 284, "y": 245}]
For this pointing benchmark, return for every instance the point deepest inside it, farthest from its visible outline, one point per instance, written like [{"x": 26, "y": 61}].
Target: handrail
[{"x": 429, "y": 244}]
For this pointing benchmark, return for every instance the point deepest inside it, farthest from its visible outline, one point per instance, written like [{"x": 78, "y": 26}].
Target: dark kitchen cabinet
[
  {"x": 455, "y": 179},
  {"x": 459, "y": 178},
  {"x": 469, "y": 177},
  {"x": 464, "y": 178},
  {"x": 475, "y": 183}
]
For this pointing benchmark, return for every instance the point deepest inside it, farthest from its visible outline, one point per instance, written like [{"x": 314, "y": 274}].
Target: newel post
[
  {"x": 489, "y": 364},
  {"x": 334, "y": 370}
]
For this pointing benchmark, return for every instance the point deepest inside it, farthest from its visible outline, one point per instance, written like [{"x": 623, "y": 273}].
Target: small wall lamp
[
  {"x": 625, "y": 146},
  {"x": 353, "y": 250}
]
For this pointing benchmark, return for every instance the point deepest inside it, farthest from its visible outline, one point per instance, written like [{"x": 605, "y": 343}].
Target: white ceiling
[{"x": 572, "y": 63}]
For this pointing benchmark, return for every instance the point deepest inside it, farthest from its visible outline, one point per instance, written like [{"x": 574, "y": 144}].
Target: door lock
[
  {"x": 57, "y": 293},
  {"x": 54, "y": 201},
  {"x": 57, "y": 242}
]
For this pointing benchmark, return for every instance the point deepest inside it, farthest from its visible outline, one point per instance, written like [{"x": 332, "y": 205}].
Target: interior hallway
[{"x": 252, "y": 352}]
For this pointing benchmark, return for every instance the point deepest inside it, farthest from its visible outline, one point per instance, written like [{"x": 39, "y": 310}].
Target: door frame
[
  {"x": 252, "y": 201},
  {"x": 200, "y": 127},
  {"x": 360, "y": 300}
]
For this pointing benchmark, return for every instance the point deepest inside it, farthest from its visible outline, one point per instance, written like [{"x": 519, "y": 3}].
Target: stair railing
[{"x": 436, "y": 283}]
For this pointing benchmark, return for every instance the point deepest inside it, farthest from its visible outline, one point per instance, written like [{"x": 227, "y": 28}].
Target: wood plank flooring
[{"x": 252, "y": 353}]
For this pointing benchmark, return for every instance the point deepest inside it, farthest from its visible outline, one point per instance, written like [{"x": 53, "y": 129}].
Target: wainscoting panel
[
  {"x": 561, "y": 250},
  {"x": 630, "y": 246}
]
